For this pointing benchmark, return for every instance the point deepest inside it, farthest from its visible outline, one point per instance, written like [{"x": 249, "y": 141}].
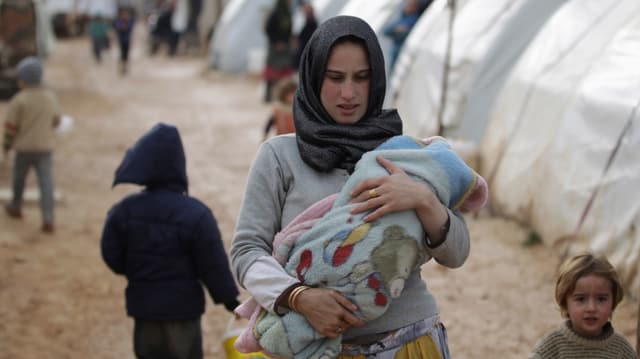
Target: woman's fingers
[{"x": 327, "y": 311}]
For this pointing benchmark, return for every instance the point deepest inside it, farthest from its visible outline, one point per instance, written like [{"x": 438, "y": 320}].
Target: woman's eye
[{"x": 363, "y": 76}]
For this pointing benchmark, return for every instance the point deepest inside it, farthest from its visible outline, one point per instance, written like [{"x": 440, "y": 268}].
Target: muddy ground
[{"x": 59, "y": 300}]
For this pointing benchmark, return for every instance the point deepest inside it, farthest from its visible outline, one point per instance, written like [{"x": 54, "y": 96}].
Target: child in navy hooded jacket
[{"x": 166, "y": 243}]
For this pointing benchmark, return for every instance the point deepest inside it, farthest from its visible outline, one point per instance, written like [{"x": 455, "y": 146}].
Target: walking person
[
  {"x": 123, "y": 25},
  {"x": 99, "y": 33},
  {"x": 310, "y": 25},
  {"x": 399, "y": 29},
  {"x": 167, "y": 244},
  {"x": 338, "y": 117},
  {"x": 32, "y": 116},
  {"x": 278, "y": 30}
]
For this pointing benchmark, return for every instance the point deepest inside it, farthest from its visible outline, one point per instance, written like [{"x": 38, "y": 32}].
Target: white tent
[
  {"x": 105, "y": 8},
  {"x": 377, "y": 14},
  {"x": 238, "y": 31},
  {"x": 239, "y": 43},
  {"x": 486, "y": 41},
  {"x": 562, "y": 147}
]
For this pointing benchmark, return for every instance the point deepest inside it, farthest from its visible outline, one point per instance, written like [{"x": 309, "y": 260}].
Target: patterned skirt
[{"x": 426, "y": 339}]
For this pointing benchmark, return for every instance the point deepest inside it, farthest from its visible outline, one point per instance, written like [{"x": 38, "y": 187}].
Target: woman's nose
[{"x": 347, "y": 90}]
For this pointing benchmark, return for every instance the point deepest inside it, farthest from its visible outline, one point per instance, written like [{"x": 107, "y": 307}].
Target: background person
[
  {"x": 310, "y": 25},
  {"x": 32, "y": 116},
  {"x": 281, "y": 117},
  {"x": 123, "y": 25},
  {"x": 278, "y": 30},
  {"x": 99, "y": 33},
  {"x": 399, "y": 30}
]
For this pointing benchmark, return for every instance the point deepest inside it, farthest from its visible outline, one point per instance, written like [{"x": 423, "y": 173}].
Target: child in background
[
  {"x": 123, "y": 25},
  {"x": 29, "y": 128},
  {"x": 166, "y": 243},
  {"x": 98, "y": 31},
  {"x": 282, "y": 116},
  {"x": 587, "y": 291}
]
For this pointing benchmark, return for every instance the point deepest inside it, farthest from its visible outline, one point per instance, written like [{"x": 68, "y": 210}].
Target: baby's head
[{"x": 588, "y": 291}]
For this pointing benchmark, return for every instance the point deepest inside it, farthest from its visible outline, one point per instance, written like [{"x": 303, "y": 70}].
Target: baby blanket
[{"x": 326, "y": 246}]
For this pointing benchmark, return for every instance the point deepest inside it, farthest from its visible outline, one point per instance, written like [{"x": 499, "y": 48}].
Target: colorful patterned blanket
[{"x": 327, "y": 246}]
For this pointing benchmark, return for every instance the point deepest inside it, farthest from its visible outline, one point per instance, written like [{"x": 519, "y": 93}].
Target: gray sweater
[{"x": 279, "y": 187}]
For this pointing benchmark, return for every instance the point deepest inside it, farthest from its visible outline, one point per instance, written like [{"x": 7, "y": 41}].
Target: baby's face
[{"x": 590, "y": 305}]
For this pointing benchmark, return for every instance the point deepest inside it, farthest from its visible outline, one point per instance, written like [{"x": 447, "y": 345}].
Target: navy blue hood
[{"x": 156, "y": 160}]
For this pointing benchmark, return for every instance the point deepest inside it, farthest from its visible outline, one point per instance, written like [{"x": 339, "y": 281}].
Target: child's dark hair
[{"x": 582, "y": 265}]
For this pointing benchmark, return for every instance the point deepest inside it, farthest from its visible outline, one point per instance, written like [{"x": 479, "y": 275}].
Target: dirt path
[{"x": 58, "y": 299}]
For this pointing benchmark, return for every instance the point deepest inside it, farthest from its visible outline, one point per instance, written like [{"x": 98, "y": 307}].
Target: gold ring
[
  {"x": 373, "y": 193},
  {"x": 339, "y": 330}
]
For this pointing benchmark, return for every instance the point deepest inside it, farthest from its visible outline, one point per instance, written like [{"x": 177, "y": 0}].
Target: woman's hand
[
  {"x": 330, "y": 313},
  {"x": 398, "y": 192}
]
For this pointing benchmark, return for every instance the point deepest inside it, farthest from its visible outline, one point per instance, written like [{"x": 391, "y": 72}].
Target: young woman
[{"x": 338, "y": 116}]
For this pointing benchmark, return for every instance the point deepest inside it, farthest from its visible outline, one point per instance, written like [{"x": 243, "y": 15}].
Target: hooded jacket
[{"x": 165, "y": 242}]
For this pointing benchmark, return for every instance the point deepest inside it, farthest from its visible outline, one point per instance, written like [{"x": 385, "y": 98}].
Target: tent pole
[{"x": 447, "y": 67}]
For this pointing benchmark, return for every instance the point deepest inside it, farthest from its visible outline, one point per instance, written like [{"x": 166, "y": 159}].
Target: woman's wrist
[
  {"x": 288, "y": 298},
  {"x": 294, "y": 295},
  {"x": 434, "y": 217}
]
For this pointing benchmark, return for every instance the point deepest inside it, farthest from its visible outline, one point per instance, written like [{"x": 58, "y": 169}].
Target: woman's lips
[{"x": 347, "y": 109}]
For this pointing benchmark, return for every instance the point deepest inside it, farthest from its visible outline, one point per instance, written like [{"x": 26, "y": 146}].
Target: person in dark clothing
[
  {"x": 123, "y": 25},
  {"x": 310, "y": 25},
  {"x": 166, "y": 243},
  {"x": 278, "y": 30}
]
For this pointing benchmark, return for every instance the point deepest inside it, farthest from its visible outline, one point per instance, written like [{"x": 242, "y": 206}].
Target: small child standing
[
  {"x": 282, "y": 116},
  {"x": 587, "y": 292},
  {"x": 166, "y": 243},
  {"x": 29, "y": 128}
]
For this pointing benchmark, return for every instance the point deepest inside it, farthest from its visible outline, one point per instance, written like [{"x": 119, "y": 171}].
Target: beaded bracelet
[{"x": 294, "y": 295}]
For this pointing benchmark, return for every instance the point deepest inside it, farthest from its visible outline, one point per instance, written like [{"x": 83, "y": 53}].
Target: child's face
[{"x": 590, "y": 305}]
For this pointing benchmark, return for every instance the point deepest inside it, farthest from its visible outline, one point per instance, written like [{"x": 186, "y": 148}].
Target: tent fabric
[
  {"x": 239, "y": 34},
  {"x": 560, "y": 152},
  {"x": 377, "y": 14},
  {"x": 486, "y": 42},
  {"x": 239, "y": 29}
]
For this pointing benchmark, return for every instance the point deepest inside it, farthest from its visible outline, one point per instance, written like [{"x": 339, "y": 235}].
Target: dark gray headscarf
[{"x": 323, "y": 143}]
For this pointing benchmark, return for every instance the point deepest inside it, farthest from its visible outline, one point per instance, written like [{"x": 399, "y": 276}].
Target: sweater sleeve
[
  {"x": 11, "y": 125},
  {"x": 260, "y": 214},
  {"x": 454, "y": 250}
]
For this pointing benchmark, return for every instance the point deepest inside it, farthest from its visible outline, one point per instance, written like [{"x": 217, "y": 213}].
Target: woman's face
[{"x": 345, "y": 86}]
